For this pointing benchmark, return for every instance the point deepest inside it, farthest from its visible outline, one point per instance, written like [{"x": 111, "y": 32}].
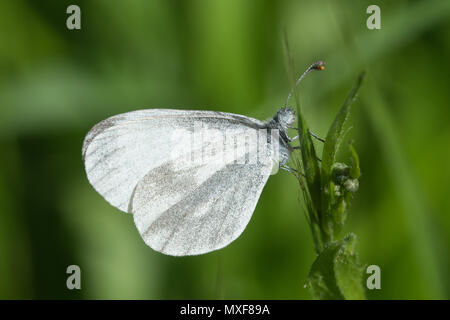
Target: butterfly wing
[
  {"x": 119, "y": 151},
  {"x": 197, "y": 210}
]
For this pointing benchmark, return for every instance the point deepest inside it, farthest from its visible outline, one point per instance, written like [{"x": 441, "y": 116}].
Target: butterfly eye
[{"x": 286, "y": 116}]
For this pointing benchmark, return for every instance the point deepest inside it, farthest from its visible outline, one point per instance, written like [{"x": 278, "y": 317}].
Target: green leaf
[
  {"x": 309, "y": 159},
  {"x": 355, "y": 171},
  {"x": 310, "y": 163},
  {"x": 337, "y": 272},
  {"x": 321, "y": 280},
  {"x": 336, "y": 132},
  {"x": 330, "y": 148},
  {"x": 349, "y": 271},
  {"x": 310, "y": 182}
]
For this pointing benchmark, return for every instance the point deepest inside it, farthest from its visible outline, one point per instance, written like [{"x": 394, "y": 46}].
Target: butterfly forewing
[{"x": 119, "y": 151}]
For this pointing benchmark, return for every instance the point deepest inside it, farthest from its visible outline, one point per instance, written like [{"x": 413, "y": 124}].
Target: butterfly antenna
[{"x": 318, "y": 65}]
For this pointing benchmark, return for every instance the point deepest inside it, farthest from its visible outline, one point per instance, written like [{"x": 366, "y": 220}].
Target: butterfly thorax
[{"x": 282, "y": 120}]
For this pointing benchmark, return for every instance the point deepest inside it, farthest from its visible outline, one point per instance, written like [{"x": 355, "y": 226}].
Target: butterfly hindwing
[{"x": 206, "y": 214}]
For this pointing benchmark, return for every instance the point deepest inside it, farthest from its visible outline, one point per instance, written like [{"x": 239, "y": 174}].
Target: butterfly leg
[
  {"x": 315, "y": 136},
  {"x": 298, "y": 148},
  {"x": 288, "y": 169},
  {"x": 291, "y": 170},
  {"x": 310, "y": 132}
]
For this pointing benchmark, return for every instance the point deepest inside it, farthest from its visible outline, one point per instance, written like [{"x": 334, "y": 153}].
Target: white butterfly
[{"x": 183, "y": 207}]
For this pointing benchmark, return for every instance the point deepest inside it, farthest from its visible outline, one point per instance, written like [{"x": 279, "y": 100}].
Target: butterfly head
[{"x": 285, "y": 117}]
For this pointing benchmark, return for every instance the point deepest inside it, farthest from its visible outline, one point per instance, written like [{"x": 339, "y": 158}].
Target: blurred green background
[{"x": 224, "y": 55}]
